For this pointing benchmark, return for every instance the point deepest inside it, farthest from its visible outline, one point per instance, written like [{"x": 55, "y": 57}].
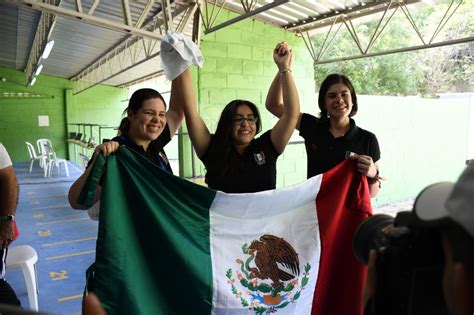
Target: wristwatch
[{"x": 8, "y": 217}]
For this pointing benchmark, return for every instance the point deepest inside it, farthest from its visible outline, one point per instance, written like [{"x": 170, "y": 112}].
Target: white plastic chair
[
  {"x": 53, "y": 160},
  {"x": 40, "y": 143},
  {"x": 85, "y": 160},
  {"x": 25, "y": 257},
  {"x": 33, "y": 157}
]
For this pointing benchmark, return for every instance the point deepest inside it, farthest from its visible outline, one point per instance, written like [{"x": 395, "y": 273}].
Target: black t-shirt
[
  {"x": 253, "y": 171},
  {"x": 324, "y": 151}
]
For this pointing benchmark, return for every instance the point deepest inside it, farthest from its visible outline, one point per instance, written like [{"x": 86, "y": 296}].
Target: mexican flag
[{"x": 169, "y": 246}]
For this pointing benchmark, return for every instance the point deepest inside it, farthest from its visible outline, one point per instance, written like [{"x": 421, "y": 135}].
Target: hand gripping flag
[{"x": 169, "y": 246}]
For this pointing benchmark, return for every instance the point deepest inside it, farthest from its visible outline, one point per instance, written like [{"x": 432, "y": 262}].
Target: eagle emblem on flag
[{"x": 269, "y": 278}]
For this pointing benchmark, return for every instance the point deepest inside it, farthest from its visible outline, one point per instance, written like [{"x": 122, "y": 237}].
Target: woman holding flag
[
  {"x": 333, "y": 136},
  {"x": 147, "y": 128}
]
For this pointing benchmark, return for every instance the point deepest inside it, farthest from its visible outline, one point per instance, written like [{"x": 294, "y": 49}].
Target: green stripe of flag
[{"x": 148, "y": 223}]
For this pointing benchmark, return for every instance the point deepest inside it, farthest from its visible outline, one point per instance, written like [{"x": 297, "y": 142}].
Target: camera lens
[{"x": 369, "y": 230}]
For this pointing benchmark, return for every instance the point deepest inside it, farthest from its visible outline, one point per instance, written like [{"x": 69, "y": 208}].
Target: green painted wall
[
  {"x": 101, "y": 105},
  {"x": 239, "y": 65},
  {"x": 422, "y": 141},
  {"x": 19, "y": 115}
]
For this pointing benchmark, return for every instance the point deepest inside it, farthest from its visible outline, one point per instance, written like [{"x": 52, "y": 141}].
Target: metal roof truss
[
  {"x": 135, "y": 50},
  {"x": 346, "y": 20},
  {"x": 140, "y": 46}
]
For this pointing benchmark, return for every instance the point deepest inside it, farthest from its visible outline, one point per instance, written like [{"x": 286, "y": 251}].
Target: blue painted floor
[{"x": 64, "y": 238}]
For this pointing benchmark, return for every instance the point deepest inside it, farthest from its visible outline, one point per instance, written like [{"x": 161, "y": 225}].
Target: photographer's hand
[
  {"x": 92, "y": 305},
  {"x": 456, "y": 283},
  {"x": 370, "y": 282}
]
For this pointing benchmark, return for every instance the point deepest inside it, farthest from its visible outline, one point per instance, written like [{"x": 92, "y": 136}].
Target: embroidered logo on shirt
[
  {"x": 259, "y": 158},
  {"x": 163, "y": 158}
]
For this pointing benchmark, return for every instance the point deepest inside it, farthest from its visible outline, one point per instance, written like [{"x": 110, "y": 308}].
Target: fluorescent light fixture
[
  {"x": 38, "y": 70},
  {"x": 33, "y": 81},
  {"x": 47, "y": 49}
]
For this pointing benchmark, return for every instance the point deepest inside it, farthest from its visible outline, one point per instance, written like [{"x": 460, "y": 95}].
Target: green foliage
[
  {"x": 282, "y": 305},
  {"x": 297, "y": 295},
  {"x": 428, "y": 71},
  {"x": 304, "y": 281},
  {"x": 234, "y": 289}
]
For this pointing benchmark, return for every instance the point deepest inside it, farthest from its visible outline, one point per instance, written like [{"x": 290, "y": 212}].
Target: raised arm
[
  {"x": 175, "y": 114},
  {"x": 274, "y": 100},
  {"x": 289, "y": 111},
  {"x": 182, "y": 89}
]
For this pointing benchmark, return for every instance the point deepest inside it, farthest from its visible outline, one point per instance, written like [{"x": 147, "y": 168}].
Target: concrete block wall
[
  {"x": 422, "y": 141},
  {"x": 239, "y": 65},
  {"x": 19, "y": 116},
  {"x": 101, "y": 105}
]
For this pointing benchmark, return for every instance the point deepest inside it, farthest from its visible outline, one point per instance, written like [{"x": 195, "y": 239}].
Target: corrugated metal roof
[
  {"x": 79, "y": 45},
  {"x": 17, "y": 31}
]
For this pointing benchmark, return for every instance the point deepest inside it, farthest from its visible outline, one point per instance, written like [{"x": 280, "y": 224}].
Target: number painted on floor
[
  {"x": 38, "y": 216},
  {"x": 35, "y": 202},
  {"x": 59, "y": 275},
  {"x": 44, "y": 233}
]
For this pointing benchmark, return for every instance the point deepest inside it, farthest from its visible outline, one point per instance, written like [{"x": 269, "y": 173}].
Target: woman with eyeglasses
[
  {"x": 236, "y": 161},
  {"x": 333, "y": 136}
]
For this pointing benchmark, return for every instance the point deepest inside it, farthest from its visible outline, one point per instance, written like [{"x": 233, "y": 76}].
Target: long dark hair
[
  {"x": 223, "y": 132},
  {"x": 330, "y": 80},
  {"x": 134, "y": 104}
]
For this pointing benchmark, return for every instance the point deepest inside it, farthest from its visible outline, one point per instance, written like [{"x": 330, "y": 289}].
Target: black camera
[{"x": 409, "y": 264}]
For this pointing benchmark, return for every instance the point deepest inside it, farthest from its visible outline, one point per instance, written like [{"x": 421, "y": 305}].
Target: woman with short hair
[{"x": 333, "y": 136}]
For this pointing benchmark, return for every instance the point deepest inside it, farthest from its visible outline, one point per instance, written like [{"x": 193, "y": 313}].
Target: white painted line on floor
[
  {"x": 51, "y": 196},
  {"x": 71, "y": 241},
  {"x": 52, "y": 207},
  {"x": 71, "y": 255},
  {"x": 72, "y": 297},
  {"x": 62, "y": 221}
]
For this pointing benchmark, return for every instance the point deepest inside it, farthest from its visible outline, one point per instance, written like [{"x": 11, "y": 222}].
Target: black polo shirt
[
  {"x": 253, "y": 171},
  {"x": 324, "y": 151},
  {"x": 155, "y": 151}
]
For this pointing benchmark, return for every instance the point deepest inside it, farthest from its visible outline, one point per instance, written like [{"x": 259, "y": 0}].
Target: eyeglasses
[{"x": 250, "y": 120}]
